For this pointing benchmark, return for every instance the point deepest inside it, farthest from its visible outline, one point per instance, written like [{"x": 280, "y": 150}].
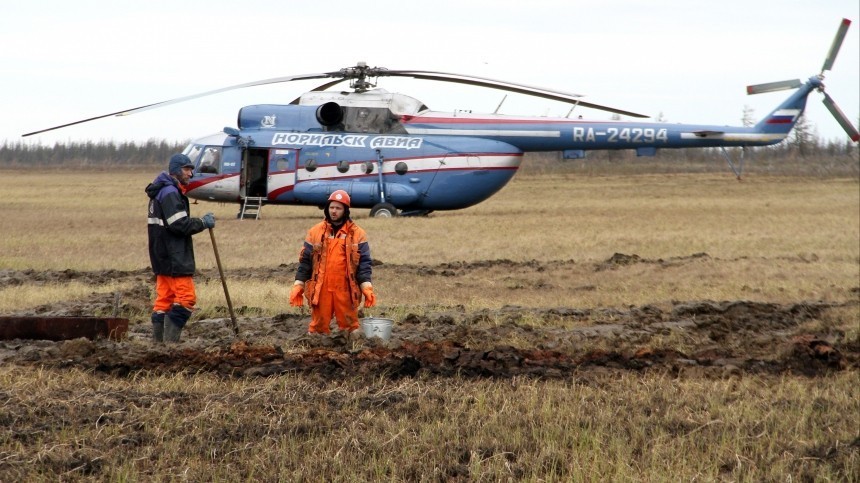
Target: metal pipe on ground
[{"x": 62, "y": 328}]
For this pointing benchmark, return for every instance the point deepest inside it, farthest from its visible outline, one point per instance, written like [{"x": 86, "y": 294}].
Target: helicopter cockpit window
[
  {"x": 193, "y": 152},
  {"x": 211, "y": 161}
]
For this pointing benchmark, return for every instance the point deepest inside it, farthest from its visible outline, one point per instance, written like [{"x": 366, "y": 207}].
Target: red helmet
[{"x": 340, "y": 196}]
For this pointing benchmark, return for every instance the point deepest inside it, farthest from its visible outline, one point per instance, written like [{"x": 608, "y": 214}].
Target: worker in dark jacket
[
  {"x": 171, "y": 251},
  {"x": 334, "y": 270}
]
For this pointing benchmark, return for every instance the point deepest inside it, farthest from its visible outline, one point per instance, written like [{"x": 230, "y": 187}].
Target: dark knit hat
[{"x": 177, "y": 162}]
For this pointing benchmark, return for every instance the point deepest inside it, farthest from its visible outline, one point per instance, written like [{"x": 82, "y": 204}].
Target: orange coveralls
[
  {"x": 339, "y": 264},
  {"x": 174, "y": 290}
]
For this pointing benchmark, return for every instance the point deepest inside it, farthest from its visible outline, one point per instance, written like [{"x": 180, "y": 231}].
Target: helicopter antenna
[
  {"x": 500, "y": 104},
  {"x": 572, "y": 108}
]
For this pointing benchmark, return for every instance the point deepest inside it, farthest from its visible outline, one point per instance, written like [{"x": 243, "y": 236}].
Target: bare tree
[
  {"x": 748, "y": 118},
  {"x": 803, "y": 138}
]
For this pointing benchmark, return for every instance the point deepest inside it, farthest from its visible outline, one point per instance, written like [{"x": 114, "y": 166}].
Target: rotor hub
[{"x": 360, "y": 74}]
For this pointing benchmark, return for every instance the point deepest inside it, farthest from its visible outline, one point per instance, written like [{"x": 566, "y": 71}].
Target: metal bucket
[{"x": 376, "y": 327}]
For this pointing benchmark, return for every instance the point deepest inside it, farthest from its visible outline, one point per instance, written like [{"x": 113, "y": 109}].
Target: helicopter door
[
  {"x": 254, "y": 172},
  {"x": 282, "y": 172}
]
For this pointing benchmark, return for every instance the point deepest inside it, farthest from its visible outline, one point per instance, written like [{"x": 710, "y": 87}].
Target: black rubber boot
[
  {"x": 174, "y": 321},
  {"x": 171, "y": 331},
  {"x": 158, "y": 327}
]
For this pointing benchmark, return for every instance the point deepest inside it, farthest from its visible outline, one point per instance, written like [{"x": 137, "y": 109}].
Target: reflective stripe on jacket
[{"x": 170, "y": 226}]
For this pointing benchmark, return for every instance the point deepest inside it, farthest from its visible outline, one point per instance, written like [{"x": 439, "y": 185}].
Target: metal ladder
[{"x": 251, "y": 207}]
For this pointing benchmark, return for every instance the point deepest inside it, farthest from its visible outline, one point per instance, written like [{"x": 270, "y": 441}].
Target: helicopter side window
[
  {"x": 231, "y": 160},
  {"x": 211, "y": 161}
]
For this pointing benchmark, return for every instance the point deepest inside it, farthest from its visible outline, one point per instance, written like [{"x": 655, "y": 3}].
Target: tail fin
[{"x": 782, "y": 119}]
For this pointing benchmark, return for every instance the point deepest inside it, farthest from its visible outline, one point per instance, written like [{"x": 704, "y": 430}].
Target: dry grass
[
  {"x": 78, "y": 220},
  {"x": 611, "y": 428},
  {"x": 774, "y": 239},
  {"x": 770, "y": 239}
]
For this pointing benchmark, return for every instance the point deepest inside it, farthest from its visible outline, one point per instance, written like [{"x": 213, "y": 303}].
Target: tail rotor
[
  {"x": 837, "y": 44},
  {"x": 841, "y": 118},
  {"x": 774, "y": 86},
  {"x": 816, "y": 82}
]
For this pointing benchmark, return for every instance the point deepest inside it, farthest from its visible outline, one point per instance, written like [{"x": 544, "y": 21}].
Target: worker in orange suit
[{"x": 334, "y": 269}]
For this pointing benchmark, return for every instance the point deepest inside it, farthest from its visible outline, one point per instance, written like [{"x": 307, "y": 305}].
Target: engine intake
[{"x": 330, "y": 114}]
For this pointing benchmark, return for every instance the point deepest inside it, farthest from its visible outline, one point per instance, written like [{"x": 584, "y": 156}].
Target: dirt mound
[{"x": 693, "y": 338}]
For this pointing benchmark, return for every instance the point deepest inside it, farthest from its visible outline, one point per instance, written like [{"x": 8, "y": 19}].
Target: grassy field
[{"x": 770, "y": 239}]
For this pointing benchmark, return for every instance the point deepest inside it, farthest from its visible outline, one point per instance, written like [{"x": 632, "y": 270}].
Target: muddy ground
[{"x": 694, "y": 337}]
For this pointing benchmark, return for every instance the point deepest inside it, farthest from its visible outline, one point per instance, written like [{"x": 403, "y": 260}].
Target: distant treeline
[
  {"x": 801, "y": 154},
  {"x": 104, "y": 153}
]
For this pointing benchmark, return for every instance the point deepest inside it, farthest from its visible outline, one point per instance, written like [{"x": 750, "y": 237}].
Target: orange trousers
[
  {"x": 174, "y": 290},
  {"x": 337, "y": 303}
]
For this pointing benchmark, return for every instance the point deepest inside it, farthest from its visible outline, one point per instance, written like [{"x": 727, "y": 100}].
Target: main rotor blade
[
  {"x": 841, "y": 118},
  {"x": 146, "y": 107},
  {"x": 506, "y": 86},
  {"x": 359, "y": 73},
  {"x": 774, "y": 86},
  {"x": 837, "y": 44},
  {"x": 318, "y": 89}
]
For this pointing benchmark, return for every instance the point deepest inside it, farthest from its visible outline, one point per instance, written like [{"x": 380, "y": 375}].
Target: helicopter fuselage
[
  {"x": 411, "y": 173},
  {"x": 391, "y": 152},
  {"x": 389, "y": 148}
]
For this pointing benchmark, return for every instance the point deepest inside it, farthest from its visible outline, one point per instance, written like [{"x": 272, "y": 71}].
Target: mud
[{"x": 687, "y": 338}]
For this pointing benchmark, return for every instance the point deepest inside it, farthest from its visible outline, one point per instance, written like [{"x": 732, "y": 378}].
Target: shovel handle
[{"x": 224, "y": 284}]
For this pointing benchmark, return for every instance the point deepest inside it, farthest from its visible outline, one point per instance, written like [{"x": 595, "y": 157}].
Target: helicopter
[{"x": 396, "y": 156}]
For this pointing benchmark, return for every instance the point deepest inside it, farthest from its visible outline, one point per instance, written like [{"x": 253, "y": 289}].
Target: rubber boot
[
  {"x": 158, "y": 327},
  {"x": 174, "y": 321}
]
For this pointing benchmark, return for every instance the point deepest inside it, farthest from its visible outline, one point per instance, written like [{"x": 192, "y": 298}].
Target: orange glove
[
  {"x": 297, "y": 295},
  {"x": 369, "y": 296}
]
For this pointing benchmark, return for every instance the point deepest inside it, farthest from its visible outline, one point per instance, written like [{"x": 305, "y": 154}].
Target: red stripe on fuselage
[
  {"x": 273, "y": 195},
  {"x": 423, "y": 171},
  {"x": 203, "y": 182},
  {"x": 466, "y": 120}
]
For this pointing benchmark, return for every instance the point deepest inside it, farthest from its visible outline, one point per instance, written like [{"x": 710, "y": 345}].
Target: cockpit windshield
[
  {"x": 206, "y": 159},
  {"x": 193, "y": 152},
  {"x": 211, "y": 160}
]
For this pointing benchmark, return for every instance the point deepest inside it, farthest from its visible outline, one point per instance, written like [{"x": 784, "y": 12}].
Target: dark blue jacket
[{"x": 171, "y": 251}]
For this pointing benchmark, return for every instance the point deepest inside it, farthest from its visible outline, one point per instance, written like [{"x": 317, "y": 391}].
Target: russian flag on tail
[{"x": 783, "y": 116}]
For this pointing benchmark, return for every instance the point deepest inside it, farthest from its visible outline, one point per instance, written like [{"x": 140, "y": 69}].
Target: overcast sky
[{"x": 64, "y": 60}]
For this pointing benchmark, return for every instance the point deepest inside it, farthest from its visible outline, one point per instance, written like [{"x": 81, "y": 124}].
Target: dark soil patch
[{"x": 698, "y": 337}]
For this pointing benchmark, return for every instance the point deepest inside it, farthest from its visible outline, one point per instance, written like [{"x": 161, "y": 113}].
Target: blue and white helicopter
[{"x": 394, "y": 155}]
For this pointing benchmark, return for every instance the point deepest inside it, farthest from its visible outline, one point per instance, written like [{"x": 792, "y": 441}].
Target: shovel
[{"x": 224, "y": 283}]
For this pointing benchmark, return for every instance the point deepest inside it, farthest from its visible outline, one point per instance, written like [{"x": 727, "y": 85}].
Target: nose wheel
[{"x": 383, "y": 210}]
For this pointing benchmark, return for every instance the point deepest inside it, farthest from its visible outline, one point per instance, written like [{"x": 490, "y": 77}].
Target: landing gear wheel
[{"x": 383, "y": 210}]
